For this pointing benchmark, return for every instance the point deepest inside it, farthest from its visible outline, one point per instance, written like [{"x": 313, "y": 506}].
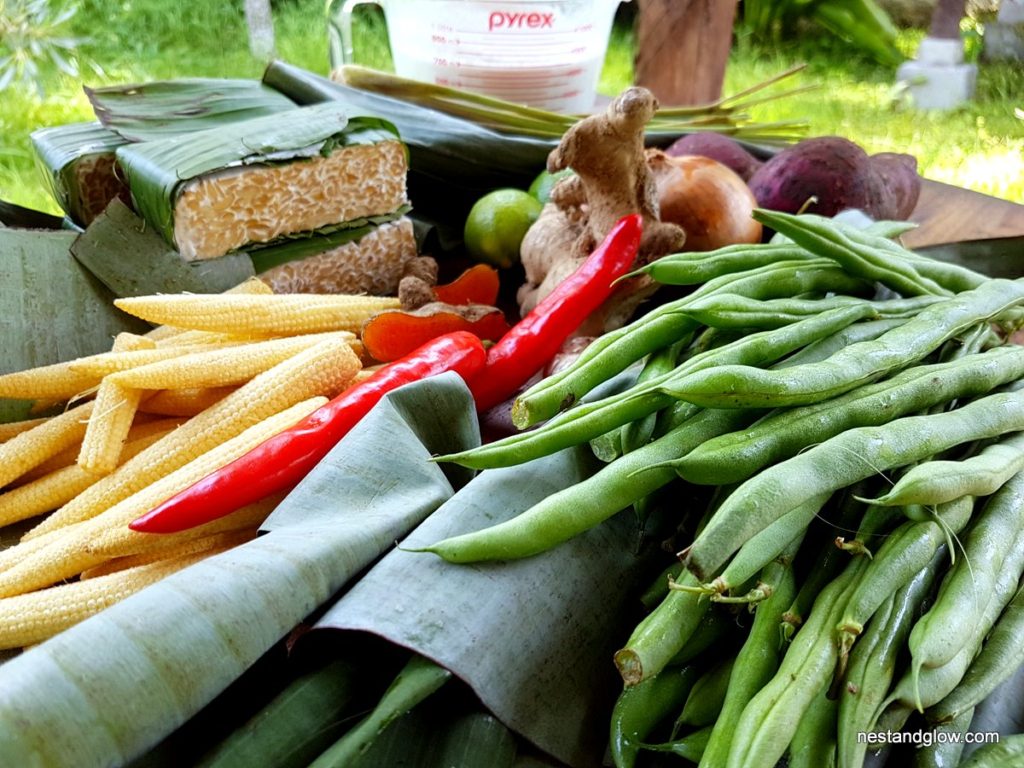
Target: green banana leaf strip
[
  {"x": 51, "y": 308},
  {"x": 113, "y": 686},
  {"x": 156, "y": 110},
  {"x": 59, "y": 149},
  {"x": 131, "y": 259},
  {"x": 548, "y": 623},
  {"x": 302, "y": 245},
  {"x": 157, "y": 169}
]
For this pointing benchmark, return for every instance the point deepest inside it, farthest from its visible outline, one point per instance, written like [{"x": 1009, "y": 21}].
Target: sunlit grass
[{"x": 979, "y": 146}]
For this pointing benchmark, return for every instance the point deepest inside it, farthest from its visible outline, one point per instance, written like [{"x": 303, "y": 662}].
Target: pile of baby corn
[{"x": 219, "y": 374}]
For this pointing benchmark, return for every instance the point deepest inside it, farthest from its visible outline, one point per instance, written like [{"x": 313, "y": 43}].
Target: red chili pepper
[
  {"x": 282, "y": 461},
  {"x": 535, "y": 339}
]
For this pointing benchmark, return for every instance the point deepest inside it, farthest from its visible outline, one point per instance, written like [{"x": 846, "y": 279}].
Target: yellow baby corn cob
[
  {"x": 21, "y": 551},
  {"x": 252, "y": 286},
  {"x": 31, "y": 448},
  {"x": 15, "y": 428},
  {"x": 126, "y": 342},
  {"x": 62, "y": 485},
  {"x": 107, "y": 363},
  {"x": 193, "y": 338},
  {"x": 277, "y": 315},
  {"x": 321, "y": 370},
  {"x": 107, "y": 535},
  {"x": 55, "y": 383},
  {"x": 217, "y": 368},
  {"x": 37, "y": 616},
  {"x": 184, "y": 402},
  {"x": 204, "y": 545}
]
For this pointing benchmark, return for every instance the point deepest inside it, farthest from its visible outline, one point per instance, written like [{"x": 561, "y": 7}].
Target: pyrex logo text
[{"x": 506, "y": 20}]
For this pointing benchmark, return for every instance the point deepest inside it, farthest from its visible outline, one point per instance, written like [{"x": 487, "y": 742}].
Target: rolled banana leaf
[
  {"x": 77, "y": 164},
  {"x": 215, "y": 191}
]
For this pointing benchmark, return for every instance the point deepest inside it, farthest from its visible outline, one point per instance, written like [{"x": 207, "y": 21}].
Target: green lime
[
  {"x": 497, "y": 223},
  {"x": 541, "y": 186}
]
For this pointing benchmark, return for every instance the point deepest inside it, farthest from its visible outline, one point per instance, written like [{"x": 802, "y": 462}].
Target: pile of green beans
[{"x": 855, "y": 413}]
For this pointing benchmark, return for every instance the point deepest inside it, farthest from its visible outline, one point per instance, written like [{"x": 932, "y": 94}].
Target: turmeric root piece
[{"x": 611, "y": 180}]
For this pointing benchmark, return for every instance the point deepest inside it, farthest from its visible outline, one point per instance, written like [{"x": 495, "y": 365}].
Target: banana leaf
[
  {"x": 164, "y": 108},
  {"x": 51, "y": 308},
  {"x": 77, "y": 165},
  {"x": 110, "y": 688},
  {"x": 156, "y": 170},
  {"x": 131, "y": 259}
]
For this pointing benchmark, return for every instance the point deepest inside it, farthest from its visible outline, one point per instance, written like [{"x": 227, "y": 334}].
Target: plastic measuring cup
[{"x": 543, "y": 53}]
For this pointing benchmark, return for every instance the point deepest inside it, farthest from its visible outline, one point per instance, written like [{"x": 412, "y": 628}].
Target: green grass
[{"x": 980, "y": 146}]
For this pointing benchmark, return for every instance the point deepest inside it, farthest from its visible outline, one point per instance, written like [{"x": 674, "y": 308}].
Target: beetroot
[
  {"x": 725, "y": 150},
  {"x": 838, "y": 174}
]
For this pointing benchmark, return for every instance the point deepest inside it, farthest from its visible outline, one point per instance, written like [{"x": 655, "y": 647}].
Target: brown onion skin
[{"x": 706, "y": 198}]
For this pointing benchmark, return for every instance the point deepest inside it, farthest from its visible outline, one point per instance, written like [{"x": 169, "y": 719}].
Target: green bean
[
  {"x": 1001, "y": 656},
  {"x": 713, "y": 628},
  {"x": 920, "y": 688},
  {"x": 705, "y": 700},
  {"x": 757, "y": 660},
  {"x": 821, "y": 236},
  {"x": 765, "y": 546},
  {"x": 988, "y": 545},
  {"x": 589, "y": 420},
  {"x": 934, "y": 482},
  {"x": 640, "y": 708},
  {"x": 1008, "y": 752},
  {"x": 905, "y": 552},
  {"x": 853, "y": 334},
  {"x": 639, "y": 431},
  {"x": 814, "y": 741},
  {"x": 730, "y": 311},
  {"x": 770, "y": 719},
  {"x": 738, "y": 386},
  {"x": 778, "y": 436},
  {"x": 615, "y": 351},
  {"x": 841, "y": 461},
  {"x": 872, "y": 665},
  {"x": 656, "y": 592},
  {"x": 690, "y": 747},
  {"x": 696, "y": 267},
  {"x": 947, "y": 744}
]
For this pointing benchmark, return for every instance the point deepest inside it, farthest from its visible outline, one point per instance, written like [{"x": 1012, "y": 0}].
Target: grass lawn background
[{"x": 980, "y": 146}]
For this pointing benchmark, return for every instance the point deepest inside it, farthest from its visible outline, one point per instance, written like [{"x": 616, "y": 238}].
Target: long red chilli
[
  {"x": 534, "y": 340},
  {"x": 279, "y": 463}
]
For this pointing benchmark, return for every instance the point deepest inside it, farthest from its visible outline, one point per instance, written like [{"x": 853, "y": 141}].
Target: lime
[
  {"x": 541, "y": 186},
  {"x": 497, "y": 223}
]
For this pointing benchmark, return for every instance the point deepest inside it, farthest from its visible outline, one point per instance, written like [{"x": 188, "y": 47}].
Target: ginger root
[{"x": 611, "y": 179}]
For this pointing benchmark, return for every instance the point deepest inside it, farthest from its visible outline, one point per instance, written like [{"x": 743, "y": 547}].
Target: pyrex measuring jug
[{"x": 544, "y": 53}]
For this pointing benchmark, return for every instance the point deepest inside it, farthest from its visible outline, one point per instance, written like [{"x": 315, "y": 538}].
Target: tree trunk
[
  {"x": 261, "y": 28},
  {"x": 683, "y": 48},
  {"x": 946, "y": 19}
]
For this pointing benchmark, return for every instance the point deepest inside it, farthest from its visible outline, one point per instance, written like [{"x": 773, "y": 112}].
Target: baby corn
[
  {"x": 184, "y": 402},
  {"x": 31, "y": 448}
]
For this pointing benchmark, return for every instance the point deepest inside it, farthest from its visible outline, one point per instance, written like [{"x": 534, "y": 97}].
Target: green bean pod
[
  {"x": 588, "y": 421},
  {"x": 739, "y": 386},
  {"x": 770, "y": 719},
  {"x": 944, "y": 751},
  {"x": 1000, "y": 656},
  {"x": 983, "y": 474},
  {"x": 696, "y": 267},
  {"x": 872, "y": 666},
  {"x": 821, "y": 236},
  {"x": 639, "y": 431},
  {"x": 778, "y": 436},
  {"x": 690, "y": 747},
  {"x": 705, "y": 700},
  {"x": 613, "y": 352},
  {"x": 814, "y": 741},
  {"x": 756, "y": 662},
  {"x": 713, "y": 628},
  {"x": 920, "y": 688},
  {"x": 824, "y": 348},
  {"x": 730, "y": 311},
  {"x": 1008, "y": 752},
  {"x": 840, "y": 461},
  {"x": 988, "y": 545},
  {"x": 640, "y": 708},
  {"x": 905, "y": 552}
]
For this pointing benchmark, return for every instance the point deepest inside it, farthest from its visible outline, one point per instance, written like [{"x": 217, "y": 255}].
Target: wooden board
[{"x": 948, "y": 214}]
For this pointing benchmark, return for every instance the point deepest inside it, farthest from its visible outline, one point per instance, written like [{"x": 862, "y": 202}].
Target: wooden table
[{"x": 948, "y": 214}]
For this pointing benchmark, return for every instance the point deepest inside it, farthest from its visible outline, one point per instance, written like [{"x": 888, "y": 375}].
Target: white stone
[
  {"x": 934, "y": 86},
  {"x": 1011, "y": 12},
  {"x": 940, "y": 51}
]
